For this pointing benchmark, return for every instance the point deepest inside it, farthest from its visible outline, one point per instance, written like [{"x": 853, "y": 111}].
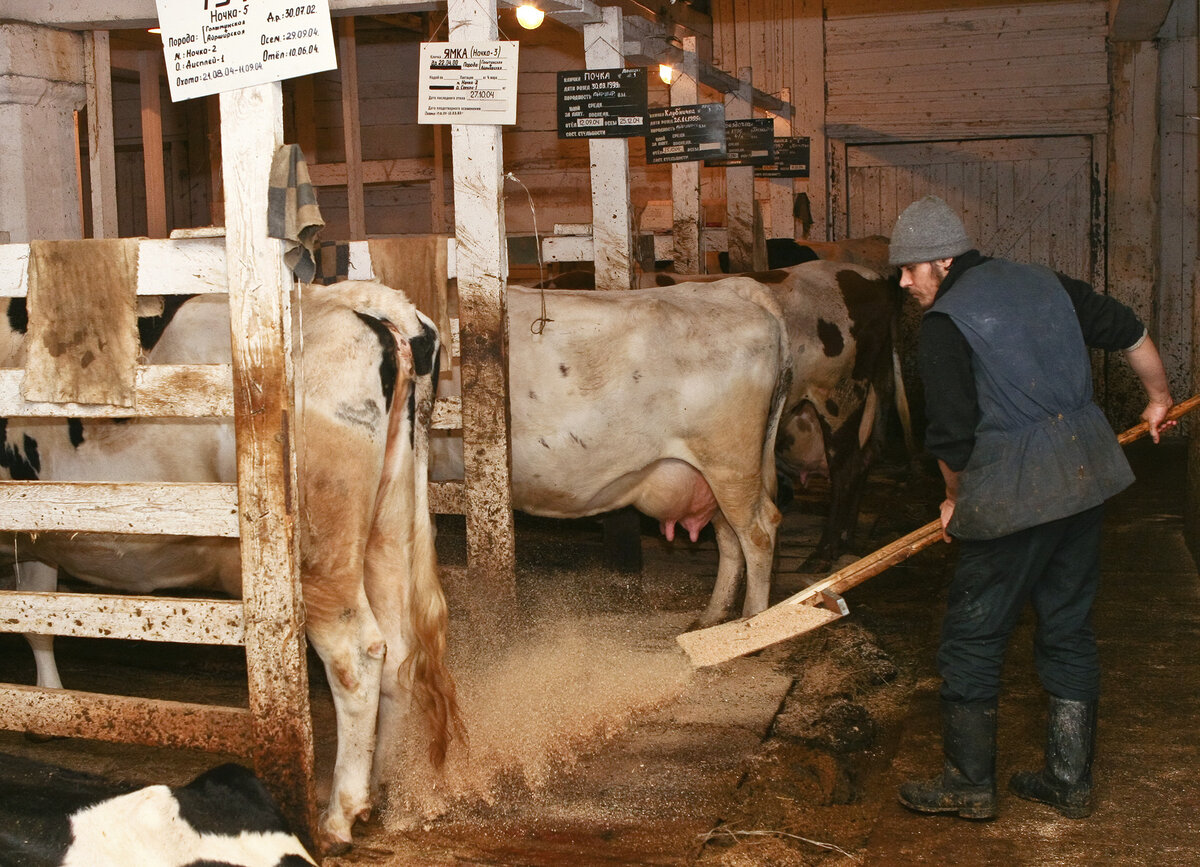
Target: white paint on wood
[
  {"x": 612, "y": 222},
  {"x": 482, "y": 268},
  {"x": 260, "y": 322},
  {"x": 160, "y": 390},
  {"x": 739, "y": 186},
  {"x": 688, "y": 215},
  {"x": 102, "y": 615},
  {"x": 126, "y": 719}
]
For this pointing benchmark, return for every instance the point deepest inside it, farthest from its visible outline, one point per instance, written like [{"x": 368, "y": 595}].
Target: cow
[
  {"x": 374, "y": 607},
  {"x": 841, "y": 321},
  {"x": 665, "y": 399},
  {"x": 51, "y": 816}
]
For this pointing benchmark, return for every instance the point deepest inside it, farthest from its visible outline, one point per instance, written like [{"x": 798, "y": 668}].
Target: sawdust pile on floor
[{"x": 533, "y": 707}]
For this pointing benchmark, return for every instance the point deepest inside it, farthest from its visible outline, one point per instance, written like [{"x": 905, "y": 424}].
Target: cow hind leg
[{"x": 351, "y": 646}]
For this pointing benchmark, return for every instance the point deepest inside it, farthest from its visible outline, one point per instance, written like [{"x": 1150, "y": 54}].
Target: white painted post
[
  {"x": 739, "y": 185},
  {"x": 612, "y": 224},
  {"x": 260, "y": 328},
  {"x": 687, "y": 214},
  {"x": 780, "y": 222},
  {"x": 482, "y": 265}
]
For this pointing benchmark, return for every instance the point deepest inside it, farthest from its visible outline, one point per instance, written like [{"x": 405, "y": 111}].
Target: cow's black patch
[
  {"x": 151, "y": 328},
  {"x": 75, "y": 431},
  {"x": 424, "y": 350},
  {"x": 18, "y": 315},
  {"x": 22, "y": 462},
  {"x": 781, "y": 253},
  {"x": 36, "y": 802},
  {"x": 388, "y": 369},
  {"x": 831, "y": 407},
  {"x": 832, "y": 339},
  {"x": 229, "y": 800}
]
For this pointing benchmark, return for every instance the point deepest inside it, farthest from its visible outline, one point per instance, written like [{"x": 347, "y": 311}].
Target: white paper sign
[
  {"x": 468, "y": 82},
  {"x": 216, "y": 45}
]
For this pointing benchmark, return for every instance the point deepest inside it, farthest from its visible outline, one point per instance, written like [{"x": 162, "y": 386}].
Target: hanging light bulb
[
  {"x": 665, "y": 72},
  {"x": 529, "y": 16}
]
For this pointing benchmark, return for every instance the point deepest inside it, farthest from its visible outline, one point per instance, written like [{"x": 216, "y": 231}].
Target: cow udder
[{"x": 675, "y": 492}]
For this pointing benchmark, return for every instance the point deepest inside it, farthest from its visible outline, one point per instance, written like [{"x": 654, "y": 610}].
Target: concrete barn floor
[{"x": 593, "y": 742}]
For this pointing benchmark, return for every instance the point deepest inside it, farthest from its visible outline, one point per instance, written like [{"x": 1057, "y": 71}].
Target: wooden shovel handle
[
  {"x": 921, "y": 538},
  {"x": 1141, "y": 429}
]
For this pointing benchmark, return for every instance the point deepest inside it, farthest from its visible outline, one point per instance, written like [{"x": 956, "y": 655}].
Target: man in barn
[{"x": 1028, "y": 461}]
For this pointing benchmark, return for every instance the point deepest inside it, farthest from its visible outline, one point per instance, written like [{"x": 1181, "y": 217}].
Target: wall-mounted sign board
[
  {"x": 602, "y": 103},
  {"x": 212, "y": 46},
  {"x": 791, "y": 158},
  {"x": 748, "y": 142},
  {"x": 686, "y": 133}
]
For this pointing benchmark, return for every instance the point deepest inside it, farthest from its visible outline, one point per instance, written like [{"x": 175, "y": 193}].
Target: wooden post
[
  {"x": 152, "y": 144},
  {"x": 687, "y": 213},
  {"x": 779, "y": 221},
  {"x": 260, "y": 321},
  {"x": 352, "y": 133},
  {"x": 808, "y": 53},
  {"x": 612, "y": 224},
  {"x": 102, "y": 159},
  {"x": 739, "y": 186},
  {"x": 482, "y": 265}
]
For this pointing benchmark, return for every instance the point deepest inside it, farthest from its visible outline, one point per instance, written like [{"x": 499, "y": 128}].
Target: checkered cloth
[{"x": 292, "y": 213}]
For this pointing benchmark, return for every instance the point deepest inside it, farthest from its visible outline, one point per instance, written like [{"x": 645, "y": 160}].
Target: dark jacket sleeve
[
  {"x": 1106, "y": 322},
  {"x": 951, "y": 403}
]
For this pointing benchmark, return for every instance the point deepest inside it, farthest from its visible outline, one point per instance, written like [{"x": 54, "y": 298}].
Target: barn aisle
[{"x": 1147, "y": 619}]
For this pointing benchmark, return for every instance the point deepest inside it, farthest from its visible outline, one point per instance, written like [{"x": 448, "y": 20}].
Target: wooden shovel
[{"x": 804, "y": 611}]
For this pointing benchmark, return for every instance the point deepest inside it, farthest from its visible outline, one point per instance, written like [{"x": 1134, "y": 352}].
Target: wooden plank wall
[{"x": 968, "y": 71}]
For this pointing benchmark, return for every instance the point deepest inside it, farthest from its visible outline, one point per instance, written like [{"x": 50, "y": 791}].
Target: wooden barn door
[{"x": 1027, "y": 199}]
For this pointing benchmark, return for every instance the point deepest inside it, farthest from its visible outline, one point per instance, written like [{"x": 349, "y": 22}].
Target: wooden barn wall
[{"x": 975, "y": 70}]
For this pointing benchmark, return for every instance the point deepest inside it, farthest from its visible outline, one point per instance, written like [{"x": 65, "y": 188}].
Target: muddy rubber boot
[
  {"x": 967, "y": 785},
  {"x": 1065, "y": 783}
]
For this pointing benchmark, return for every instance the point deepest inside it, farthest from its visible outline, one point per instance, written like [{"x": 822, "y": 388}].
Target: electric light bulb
[
  {"x": 529, "y": 16},
  {"x": 666, "y": 73}
]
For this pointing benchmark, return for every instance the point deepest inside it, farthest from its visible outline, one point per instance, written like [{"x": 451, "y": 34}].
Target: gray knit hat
[{"x": 927, "y": 230}]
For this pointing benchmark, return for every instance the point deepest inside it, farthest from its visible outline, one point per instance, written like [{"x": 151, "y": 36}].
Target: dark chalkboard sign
[
  {"x": 791, "y": 158},
  {"x": 748, "y": 142},
  {"x": 686, "y": 133},
  {"x": 602, "y": 103}
]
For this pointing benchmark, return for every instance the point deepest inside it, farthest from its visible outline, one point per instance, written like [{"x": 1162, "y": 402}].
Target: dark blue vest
[{"x": 1043, "y": 449}]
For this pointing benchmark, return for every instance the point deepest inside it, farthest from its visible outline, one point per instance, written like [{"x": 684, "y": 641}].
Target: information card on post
[
  {"x": 216, "y": 45},
  {"x": 468, "y": 82}
]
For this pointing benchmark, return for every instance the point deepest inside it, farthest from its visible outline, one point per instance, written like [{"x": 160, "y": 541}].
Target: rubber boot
[
  {"x": 1065, "y": 783},
  {"x": 967, "y": 785}
]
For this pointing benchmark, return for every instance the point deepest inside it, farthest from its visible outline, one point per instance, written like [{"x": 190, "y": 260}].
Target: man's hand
[
  {"x": 1155, "y": 415},
  {"x": 947, "y": 514}
]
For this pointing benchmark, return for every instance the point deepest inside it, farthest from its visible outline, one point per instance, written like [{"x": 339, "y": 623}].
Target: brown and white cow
[
  {"x": 841, "y": 324},
  {"x": 375, "y": 611},
  {"x": 665, "y": 399}
]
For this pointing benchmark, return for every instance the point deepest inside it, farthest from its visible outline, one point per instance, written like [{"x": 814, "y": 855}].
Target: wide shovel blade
[{"x": 798, "y": 613}]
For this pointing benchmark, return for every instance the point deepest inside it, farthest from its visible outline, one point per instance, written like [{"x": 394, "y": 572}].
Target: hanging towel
[
  {"x": 416, "y": 265},
  {"x": 82, "y": 343},
  {"x": 292, "y": 213}
]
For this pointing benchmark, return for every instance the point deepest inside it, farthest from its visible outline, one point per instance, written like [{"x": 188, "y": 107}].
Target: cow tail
[{"x": 433, "y": 687}]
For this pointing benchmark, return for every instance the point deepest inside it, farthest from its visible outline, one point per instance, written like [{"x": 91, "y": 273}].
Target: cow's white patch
[{"x": 145, "y": 828}]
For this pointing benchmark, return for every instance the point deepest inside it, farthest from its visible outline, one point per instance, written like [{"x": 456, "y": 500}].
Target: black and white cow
[
  {"x": 51, "y": 816},
  {"x": 374, "y": 607}
]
